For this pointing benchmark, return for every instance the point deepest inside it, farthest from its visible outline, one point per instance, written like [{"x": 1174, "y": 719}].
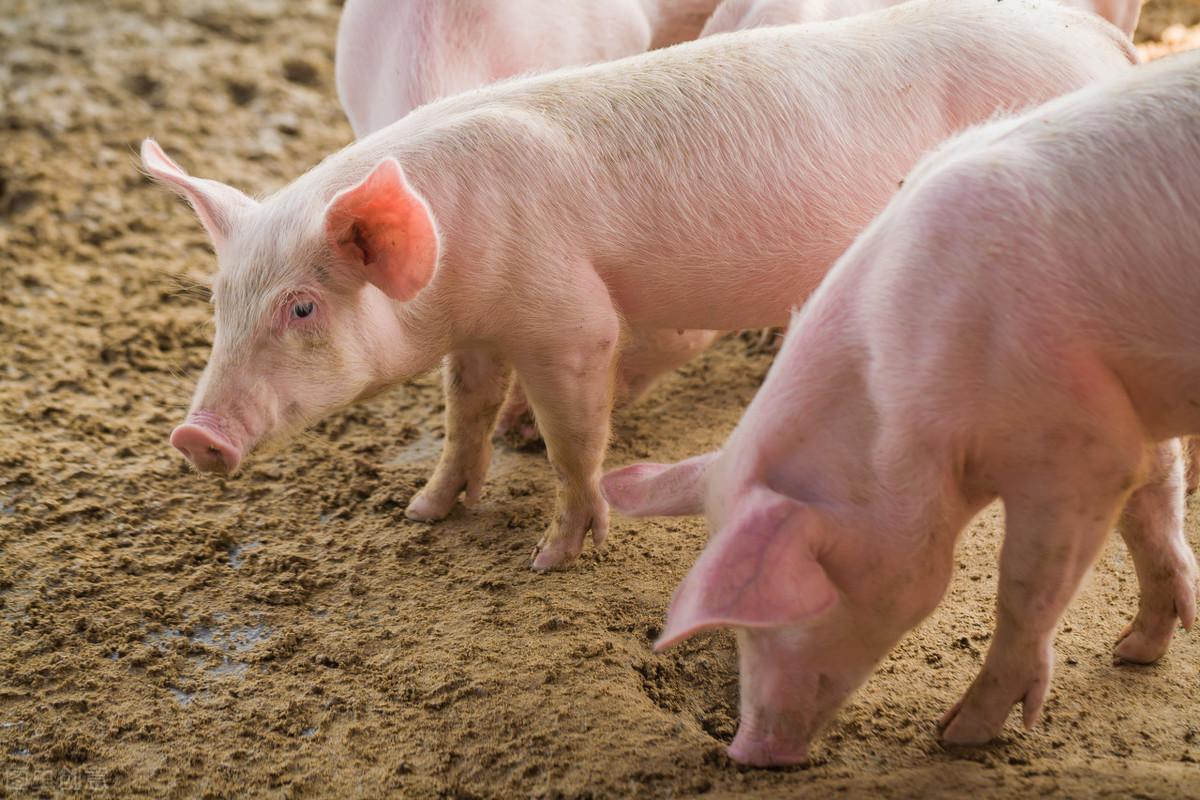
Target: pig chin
[
  {"x": 785, "y": 698},
  {"x": 754, "y": 750},
  {"x": 771, "y": 738}
]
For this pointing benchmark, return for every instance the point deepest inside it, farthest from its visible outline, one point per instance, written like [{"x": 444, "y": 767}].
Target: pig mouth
[
  {"x": 757, "y": 751},
  {"x": 771, "y": 738}
]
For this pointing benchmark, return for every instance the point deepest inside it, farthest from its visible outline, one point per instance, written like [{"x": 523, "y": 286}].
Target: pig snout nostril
[{"x": 204, "y": 447}]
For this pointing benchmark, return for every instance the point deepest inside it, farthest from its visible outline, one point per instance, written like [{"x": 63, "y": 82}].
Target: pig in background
[
  {"x": 396, "y": 55},
  {"x": 740, "y": 15},
  {"x": 521, "y": 226},
  {"x": 1019, "y": 323}
]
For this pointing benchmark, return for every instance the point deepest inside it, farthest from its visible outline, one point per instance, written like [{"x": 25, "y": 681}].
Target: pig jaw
[
  {"x": 794, "y": 679},
  {"x": 266, "y": 391},
  {"x": 792, "y": 682}
]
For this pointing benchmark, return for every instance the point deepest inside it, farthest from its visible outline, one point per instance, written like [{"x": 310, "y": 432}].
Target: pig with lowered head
[
  {"x": 521, "y": 226},
  {"x": 1019, "y": 323}
]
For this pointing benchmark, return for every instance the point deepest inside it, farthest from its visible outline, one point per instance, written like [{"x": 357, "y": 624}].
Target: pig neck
[
  {"x": 818, "y": 434},
  {"x": 408, "y": 338}
]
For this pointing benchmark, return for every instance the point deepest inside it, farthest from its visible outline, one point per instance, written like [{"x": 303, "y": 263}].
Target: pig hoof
[
  {"x": 552, "y": 556},
  {"x": 427, "y": 509},
  {"x": 961, "y": 730},
  {"x": 556, "y": 552},
  {"x": 1146, "y": 639},
  {"x": 1137, "y": 646}
]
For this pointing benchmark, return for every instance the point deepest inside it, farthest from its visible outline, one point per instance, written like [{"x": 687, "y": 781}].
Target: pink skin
[
  {"x": 649, "y": 354},
  {"x": 1122, "y": 13},
  {"x": 527, "y": 227},
  {"x": 740, "y": 15},
  {"x": 202, "y": 442},
  {"x": 395, "y": 55},
  {"x": 1017, "y": 324}
]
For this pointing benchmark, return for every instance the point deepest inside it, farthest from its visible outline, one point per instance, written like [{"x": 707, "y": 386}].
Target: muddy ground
[{"x": 288, "y": 632}]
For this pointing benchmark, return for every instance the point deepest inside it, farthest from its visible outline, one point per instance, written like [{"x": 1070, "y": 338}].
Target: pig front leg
[
  {"x": 475, "y": 383},
  {"x": 1152, "y": 527},
  {"x": 1051, "y": 539},
  {"x": 569, "y": 382}
]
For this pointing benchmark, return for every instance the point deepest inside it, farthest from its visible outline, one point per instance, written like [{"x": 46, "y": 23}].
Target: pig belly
[{"x": 706, "y": 299}]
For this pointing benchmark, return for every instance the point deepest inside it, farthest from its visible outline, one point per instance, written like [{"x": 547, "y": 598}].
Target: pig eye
[{"x": 302, "y": 310}]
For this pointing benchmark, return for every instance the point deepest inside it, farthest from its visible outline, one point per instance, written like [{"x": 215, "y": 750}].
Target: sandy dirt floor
[{"x": 287, "y": 632}]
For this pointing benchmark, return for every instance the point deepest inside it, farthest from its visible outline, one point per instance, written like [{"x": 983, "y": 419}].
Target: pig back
[{"x": 736, "y": 174}]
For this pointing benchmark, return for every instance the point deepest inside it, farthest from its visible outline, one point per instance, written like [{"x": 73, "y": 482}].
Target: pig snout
[
  {"x": 203, "y": 442},
  {"x": 755, "y": 749},
  {"x": 769, "y": 733}
]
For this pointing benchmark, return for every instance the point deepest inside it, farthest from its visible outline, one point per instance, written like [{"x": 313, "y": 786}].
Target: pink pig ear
[
  {"x": 385, "y": 232},
  {"x": 658, "y": 490},
  {"x": 761, "y": 572},
  {"x": 216, "y": 204}
]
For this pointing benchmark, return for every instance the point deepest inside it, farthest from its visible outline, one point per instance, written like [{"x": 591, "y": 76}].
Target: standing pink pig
[
  {"x": 525, "y": 226},
  {"x": 1019, "y": 323},
  {"x": 740, "y": 15},
  {"x": 395, "y": 55}
]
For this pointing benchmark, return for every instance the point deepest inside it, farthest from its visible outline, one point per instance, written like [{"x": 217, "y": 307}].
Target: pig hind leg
[
  {"x": 517, "y": 427},
  {"x": 649, "y": 355},
  {"x": 1056, "y": 524},
  {"x": 1152, "y": 527},
  {"x": 475, "y": 382}
]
